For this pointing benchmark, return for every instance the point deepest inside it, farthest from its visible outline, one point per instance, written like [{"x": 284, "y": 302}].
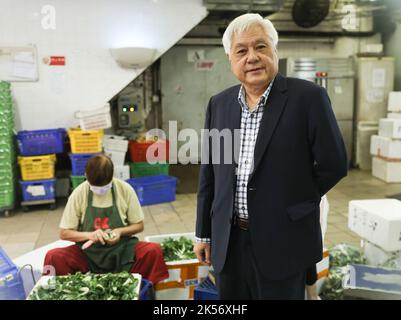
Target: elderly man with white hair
[{"x": 258, "y": 217}]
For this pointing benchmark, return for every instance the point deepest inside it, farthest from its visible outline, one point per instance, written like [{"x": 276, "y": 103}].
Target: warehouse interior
[{"x": 118, "y": 77}]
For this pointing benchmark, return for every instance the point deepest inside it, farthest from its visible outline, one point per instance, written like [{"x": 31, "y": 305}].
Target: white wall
[{"x": 84, "y": 33}]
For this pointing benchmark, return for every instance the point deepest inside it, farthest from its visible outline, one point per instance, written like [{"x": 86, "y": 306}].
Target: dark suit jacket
[{"x": 299, "y": 156}]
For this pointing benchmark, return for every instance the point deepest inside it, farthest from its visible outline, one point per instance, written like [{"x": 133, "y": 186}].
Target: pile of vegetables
[
  {"x": 117, "y": 286},
  {"x": 180, "y": 249},
  {"x": 340, "y": 256}
]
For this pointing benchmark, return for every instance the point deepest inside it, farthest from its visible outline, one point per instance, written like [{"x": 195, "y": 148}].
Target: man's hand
[
  {"x": 114, "y": 236},
  {"x": 202, "y": 251},
  {"x": 98, "y": 236}
]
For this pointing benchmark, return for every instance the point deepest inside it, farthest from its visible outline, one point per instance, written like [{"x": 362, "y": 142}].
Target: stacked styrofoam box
[
  {"x": 377, "y": 221},
  {"x": 115, "y": 147},
  {"x": 386, "y": 147}
]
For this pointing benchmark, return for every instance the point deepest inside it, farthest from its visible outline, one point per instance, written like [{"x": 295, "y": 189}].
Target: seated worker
[{"x": 101, "y": 206}]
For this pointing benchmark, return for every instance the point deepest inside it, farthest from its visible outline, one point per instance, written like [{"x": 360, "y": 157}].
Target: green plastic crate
[
  {"x": 77, "y": 180},
  {"x": 7, "y": 198},
  {"x": 144, "y": 169}
]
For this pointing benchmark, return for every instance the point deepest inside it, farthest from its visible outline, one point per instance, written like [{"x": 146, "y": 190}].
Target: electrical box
[{"x": 132, "y": 111}]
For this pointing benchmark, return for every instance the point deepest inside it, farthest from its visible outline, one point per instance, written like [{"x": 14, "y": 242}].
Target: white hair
[{"x": 243, "y": 22}]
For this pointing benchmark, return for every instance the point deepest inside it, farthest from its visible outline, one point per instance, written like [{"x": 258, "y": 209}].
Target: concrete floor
[{"x": 25, "y": 231}]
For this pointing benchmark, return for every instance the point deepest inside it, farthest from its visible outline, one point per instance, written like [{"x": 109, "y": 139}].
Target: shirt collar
[{"x": 262, "y": 100}]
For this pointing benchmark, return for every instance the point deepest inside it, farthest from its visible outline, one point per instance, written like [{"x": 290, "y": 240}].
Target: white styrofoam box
[
  {"x": 394, "y": 115},
  {"x": 390, "y": 128},
  {"x": 378, "y": 221},
  {"x": 44, "y": 282},
  {"x": 394, "y": 101},
  {"x": 388, "y": 171},
  {"x": 36, "y": 259},
  {"x": 181, "y": 286},
  {"x": 121, "y": 172},
  {"x": 95, "y": 119},
  {"x": 376, "y": 256},
  {"x": 385, "y": 147},
  {"x": 115, "y": 143},
  {"x": 117, "y": 157}
]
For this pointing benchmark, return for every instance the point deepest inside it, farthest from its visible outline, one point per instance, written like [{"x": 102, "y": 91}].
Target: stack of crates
[
  {"x": 143, "y": 162},
  {"x": 116, "y": 147},
  {"x": 8, "y": 168},
  {"x": 150, "y": 171},
  {"x": 38, "y": 149},
  {"x": 84, "y": 145}
]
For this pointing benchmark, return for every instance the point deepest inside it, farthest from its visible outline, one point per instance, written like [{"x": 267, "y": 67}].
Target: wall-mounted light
[{"x": 133, "y": 57}]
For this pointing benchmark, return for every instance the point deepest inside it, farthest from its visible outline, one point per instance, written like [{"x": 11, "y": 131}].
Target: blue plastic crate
[
  {"x": 32, "y": 192},
  {"x": 78, "y": 162},
  {"x": 206, "y": 291},
  {"x": 40, "y": 142},
  {"x": 147, "y": 291},
  {"x": 154, "y": 189},
  {"x": 11, "y": 286}
]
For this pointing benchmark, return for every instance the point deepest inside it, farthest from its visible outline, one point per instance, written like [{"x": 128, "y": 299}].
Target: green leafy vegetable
[
  {"x": 340, "y": 256},
  {"x": 181, "y": 249},
  {"x": 118, "y": 286}
]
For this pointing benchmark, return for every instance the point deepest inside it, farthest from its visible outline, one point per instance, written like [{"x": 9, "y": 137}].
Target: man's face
[{"x": 253, "y": 57}]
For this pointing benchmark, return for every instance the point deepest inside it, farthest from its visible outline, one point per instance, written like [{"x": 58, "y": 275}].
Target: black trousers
[{"x": 241, "y": 279}]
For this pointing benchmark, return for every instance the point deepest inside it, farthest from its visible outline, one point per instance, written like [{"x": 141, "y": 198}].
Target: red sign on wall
[
  {"x": 54, "y": 61},
  {"x": 57, "y": 61}
]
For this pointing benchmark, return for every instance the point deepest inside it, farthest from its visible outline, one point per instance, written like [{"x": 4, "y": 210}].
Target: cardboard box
[
  {"x": 388, "y": 171},
  {"x": 122, "y": 172},
  {"x": 394, "y": 101},
  {"x": 390, "y": 128},
  {"x": 386, "y": 148},
  {"x": 378, "y": 221}
]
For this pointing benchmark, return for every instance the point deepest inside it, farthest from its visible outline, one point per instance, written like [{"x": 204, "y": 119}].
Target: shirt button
[
  {"x": 252, "y": 115},
  {"x": 246, "y": 161},
  {"x": 243, "y": 208},
  {"x": 243, "y": 184}
]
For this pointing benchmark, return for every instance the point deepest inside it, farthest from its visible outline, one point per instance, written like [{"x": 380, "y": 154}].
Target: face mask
[{"x": 100, "y": 190}]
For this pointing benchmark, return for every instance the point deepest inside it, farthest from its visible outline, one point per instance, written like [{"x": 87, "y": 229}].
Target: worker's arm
[
  {"x": 130, "y": 230},
  {"x": 78, "y": 236}
]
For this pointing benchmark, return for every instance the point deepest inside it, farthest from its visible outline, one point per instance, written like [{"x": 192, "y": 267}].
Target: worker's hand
[
  {"x": 98, "y": 236},
  {"x": 114, "y": 236},
  {"x": 202, "y": 251}
]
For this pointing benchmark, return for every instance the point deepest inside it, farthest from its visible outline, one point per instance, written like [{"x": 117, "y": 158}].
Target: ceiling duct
[
  {"x": 222, "y": 12},
  {"x": 325, "y": 17},
  {"x": 260, "y": 6}
]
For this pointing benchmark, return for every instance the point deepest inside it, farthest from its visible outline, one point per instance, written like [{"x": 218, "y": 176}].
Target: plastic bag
[
  {"x": 393, "y": 263},
  {"x": 333, "y": 286},
  {"x": 343, "y": 254}
]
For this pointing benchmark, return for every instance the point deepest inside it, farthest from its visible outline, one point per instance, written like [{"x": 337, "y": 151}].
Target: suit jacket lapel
[
  {"x": 234, "y": 116},
  {"x": 271, "y": 115}
]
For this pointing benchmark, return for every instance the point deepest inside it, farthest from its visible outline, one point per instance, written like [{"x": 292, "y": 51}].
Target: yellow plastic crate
[
  {"x": 89, "y": 141},
  {"x": 37, "y": 167}
]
